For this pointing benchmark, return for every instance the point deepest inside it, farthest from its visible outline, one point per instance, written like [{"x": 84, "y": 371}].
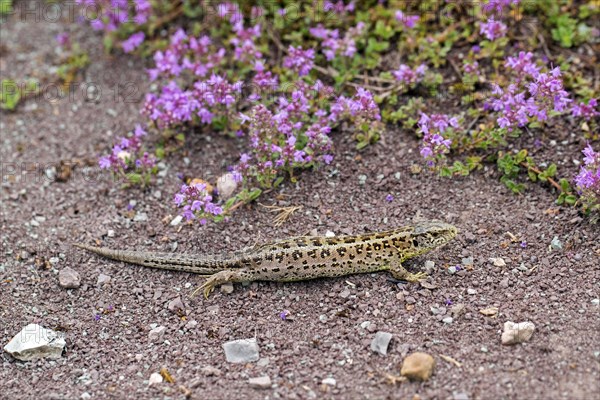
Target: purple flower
[
  {"x": 334, "y": 45},
  {"x": 588, "y": 178},
  {"x": 448, "y": 302},
  {"x": 97, "y": 317},
  {"x": 133, "y": 42},
  {"x": 523, "y": 244},
  {"x": 410, "y": 76},
  {"x": 530, "y": 96},
  {"x": 433, "y": 127},
  {"x": 299, "y": 60},
  {"x": 104, "y": 162},
  {"x": 284, "y": 314},
  {"x": 196, "y": 201},
  {"x": 389, "y": 198},
  {"x": 471, "y": 68},
  {"x": 586, "y": 111},
  {"x": 498, "y": 5},
  {"x": 409, "y": 21},
  {"x": 64, "y": 40},
  {"x": 493, "y": 29}
]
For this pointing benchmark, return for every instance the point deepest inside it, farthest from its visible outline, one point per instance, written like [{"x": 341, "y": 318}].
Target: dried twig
[
  {"x": 450, "y": 360},
  {"x": 284, "y": 213},
  {"x": 537, "y": 171}
]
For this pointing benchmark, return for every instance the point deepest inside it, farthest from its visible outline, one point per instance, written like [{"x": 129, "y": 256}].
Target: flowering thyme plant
[
  {"x": 129, "y": 160},
  {"x": 588, "y": 179},
  {"x": 284, "y": 85}
]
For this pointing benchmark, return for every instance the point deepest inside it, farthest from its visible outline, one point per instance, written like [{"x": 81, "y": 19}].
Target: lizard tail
[{"x": 176, "y": 262}]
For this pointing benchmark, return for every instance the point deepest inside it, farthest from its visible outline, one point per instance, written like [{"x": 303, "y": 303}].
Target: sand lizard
[{"x": 302, "y": 258}]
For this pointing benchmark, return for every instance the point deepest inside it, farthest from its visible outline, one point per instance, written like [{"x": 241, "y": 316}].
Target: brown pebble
[{"x": 418, "y": 366}]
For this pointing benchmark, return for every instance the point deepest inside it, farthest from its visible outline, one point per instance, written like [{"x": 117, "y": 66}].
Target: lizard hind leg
[
  {"x": 400, "y": 273},
  {"x": 220, "y": 278}
]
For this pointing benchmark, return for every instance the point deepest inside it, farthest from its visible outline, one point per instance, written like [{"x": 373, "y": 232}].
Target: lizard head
[{"x": 431, "y": 234}]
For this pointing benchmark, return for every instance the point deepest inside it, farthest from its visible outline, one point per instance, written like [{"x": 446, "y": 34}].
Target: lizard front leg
[{"x": 400, "y": 273}]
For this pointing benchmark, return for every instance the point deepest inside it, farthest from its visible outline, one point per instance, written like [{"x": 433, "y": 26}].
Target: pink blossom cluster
[
  {"x": 339, "y": 7},
  {"x": 195, "y": 200},
  {"x": 408, "y": 21},
  {"x": 111, "y": 14},
  {"x": 531, "y": 96},
  {"x": 493, "y": 29},
  {"x": 334, "y": 45},
  {"x": 586, "y": 111},
  {"x": 433, "y": 127},
  {"x": 197, "y": 55},
  {"x": 295, "y": 133},
  {"x": 498, "y": 6},
  {"x": 174, "y": 105},
  {"x": 299, "y": 60},
  {"x": 126, "y": 154},
  {"x": 408, "y": 75},
  {"x": 588, "y": 178}
]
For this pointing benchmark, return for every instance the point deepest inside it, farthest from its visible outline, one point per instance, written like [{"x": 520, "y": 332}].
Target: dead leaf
[
  {"x": 489, "y": 312},
  {"x": 166, "y": 375},
  {"x": 512, "y": 237},
  {"x": 392, "y": 379},
  {"x": 428, "y": 285},
  {"x": 198, "y": 181}
]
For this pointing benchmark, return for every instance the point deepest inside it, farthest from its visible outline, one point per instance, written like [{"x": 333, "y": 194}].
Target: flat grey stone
[
  {"x": 380, "y": 342},
  {"x": 69, "y": 278},
  {"x": 241, "y": 351},
  {"x": 35, "y": 341},
  {"x": 262, "y": 382},
  {"x": 157, "y": 333}
]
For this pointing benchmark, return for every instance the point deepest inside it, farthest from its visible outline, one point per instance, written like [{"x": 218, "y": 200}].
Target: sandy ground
[{"x": 332, "y": 321}]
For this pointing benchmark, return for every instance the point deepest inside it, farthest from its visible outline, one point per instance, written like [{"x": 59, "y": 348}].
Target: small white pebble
[
  {"x": 448, "y": 320},
  {"x": 329, "y": 382},
  {"x": 498, "y": 262},
  {"x": 155, "y": 378},
  {"x": 329, "y": 234},
  {"x": 517, "y": 332},
  {"x": 176, "y": 221}
]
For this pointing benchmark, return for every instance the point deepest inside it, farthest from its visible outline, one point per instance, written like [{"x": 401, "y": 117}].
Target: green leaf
[
  {"x": 361, "y": 145},
  {"x": 570, "y": 199},
  {"x": 230, "y": 202},
  {"x": 10, "y": 94},
  {"x": 532, "y": 175},
  {"x": 564, "y": 185},
  {"x": 551, "y": 170},
  {"x": 254, "y": 194},
  {"x": 375, "y": 46},
  {"x": 520, "y": 157},
  {"x": 383, "y": 30},
  {"x": 445, "y": 172},
  {"x": 5, "y": 7},
  {"x": 134, "y": 178}
]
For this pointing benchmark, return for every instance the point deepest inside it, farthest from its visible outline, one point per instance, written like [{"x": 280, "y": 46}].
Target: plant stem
[{"x": 537, "y": 171}]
